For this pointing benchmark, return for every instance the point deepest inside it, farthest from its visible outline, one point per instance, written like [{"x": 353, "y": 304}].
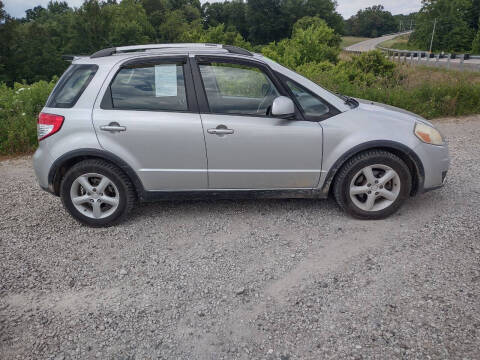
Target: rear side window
[
  {"x": 150, "y": 87},
  {"x": 71, "y": 86}
]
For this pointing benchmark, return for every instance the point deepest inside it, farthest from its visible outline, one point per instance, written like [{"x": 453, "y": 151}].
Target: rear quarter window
[{"x": 71, "y": 86}]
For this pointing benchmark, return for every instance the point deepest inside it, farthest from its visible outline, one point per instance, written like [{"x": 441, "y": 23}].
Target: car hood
[{"x": 391, "y": 111}]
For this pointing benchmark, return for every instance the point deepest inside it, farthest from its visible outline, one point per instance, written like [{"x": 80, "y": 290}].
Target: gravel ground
[{"x": 271, "y": 279}]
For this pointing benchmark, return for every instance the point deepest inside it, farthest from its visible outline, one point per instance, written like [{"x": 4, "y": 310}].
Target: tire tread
[{"x": 131, "y": 196}]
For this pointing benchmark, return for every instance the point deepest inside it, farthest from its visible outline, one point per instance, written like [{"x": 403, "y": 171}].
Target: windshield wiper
[{"x": 348, "y": 100}]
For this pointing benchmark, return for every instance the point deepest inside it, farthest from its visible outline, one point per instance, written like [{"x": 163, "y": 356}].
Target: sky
[{"x": 346, "y": 8}]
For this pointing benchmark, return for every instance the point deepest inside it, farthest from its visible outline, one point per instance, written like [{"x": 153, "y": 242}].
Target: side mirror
[{"x": 283, "y": 107}]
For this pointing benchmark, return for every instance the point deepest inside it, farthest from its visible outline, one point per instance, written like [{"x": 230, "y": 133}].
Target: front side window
[
  {"x": 71, "y": 86},
  {"x": 237, "y": 89},
  {"x": 311, "y": 105},
  {"x": 151, "y": 87}
]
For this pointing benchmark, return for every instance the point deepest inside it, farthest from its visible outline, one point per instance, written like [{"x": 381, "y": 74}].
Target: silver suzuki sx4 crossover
[{"x": 189, "y": 121}]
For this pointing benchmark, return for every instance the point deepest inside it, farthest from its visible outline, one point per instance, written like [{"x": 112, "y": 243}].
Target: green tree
[
  {"x": 454, "y": 31},
  {"x": 35, "y": 13},
  {"x": 372, "y": 22},
  {"x": 91, "y": 28},
  {"x": 3, "y": 13},
  {"x": 273, "y": 20},
  {"x": 405, "y": 22},
  {"x": 173, "y": 27},
  {"x": 129, "y": 24},
  {"x": 265, "y": 21},
  {"x": 215, "y": 35},
  {"x": 476, "y": 44},
  {"x": 474, "y": 15},
  {"x": 293, "y": 10},
  {"x": 312, "y": 41},
  {"x": 34, "y": 47},
  {"x": 5, "y": 40},
  {"x": 231, "y": 13}
]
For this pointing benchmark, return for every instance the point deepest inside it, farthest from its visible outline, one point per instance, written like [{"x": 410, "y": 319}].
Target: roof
[{"x": 113, "y": 55}]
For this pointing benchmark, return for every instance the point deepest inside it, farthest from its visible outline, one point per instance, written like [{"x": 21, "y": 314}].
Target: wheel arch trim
[
  {"x": 88, "y": 153},
  {"x": 418, "y": 177}
]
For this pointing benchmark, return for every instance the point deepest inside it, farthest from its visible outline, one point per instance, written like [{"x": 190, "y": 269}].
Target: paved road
[
  {"x": 371, "y": 44},
  {"x": 270, "y": 279},
  {"x": 458, "y": 64}
]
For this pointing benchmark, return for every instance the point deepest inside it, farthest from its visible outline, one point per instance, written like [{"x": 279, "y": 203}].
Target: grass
[
  {"x": 399, "y": 43},
  {"x": 426, "y": 91},
  {"x": 351, "y": 40}
]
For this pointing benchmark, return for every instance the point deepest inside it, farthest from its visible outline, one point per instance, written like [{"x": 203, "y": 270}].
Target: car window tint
[
  {"x": 71, "y": 86},
  {"x": 153, "y": 87},
  {"x": 237, "y": 89},
  {"x": 312, "y": 106}
]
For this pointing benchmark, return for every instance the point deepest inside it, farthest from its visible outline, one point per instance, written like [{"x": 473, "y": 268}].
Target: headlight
[{"x": 428, "y": 134}]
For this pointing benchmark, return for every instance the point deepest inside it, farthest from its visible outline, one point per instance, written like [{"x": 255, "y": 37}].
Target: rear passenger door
[{"x": 148, "y": 116}]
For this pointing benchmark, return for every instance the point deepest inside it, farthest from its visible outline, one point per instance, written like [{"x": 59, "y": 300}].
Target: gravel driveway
[{"x": 270, "y": 279}]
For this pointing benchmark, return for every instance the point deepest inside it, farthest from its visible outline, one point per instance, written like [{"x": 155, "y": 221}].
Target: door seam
[{"x": 201, "y": 119}]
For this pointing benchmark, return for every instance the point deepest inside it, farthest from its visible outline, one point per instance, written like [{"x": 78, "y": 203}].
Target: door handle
[
  {"x": 113, "y": 126},
  {"x": 221, "y": 130}
]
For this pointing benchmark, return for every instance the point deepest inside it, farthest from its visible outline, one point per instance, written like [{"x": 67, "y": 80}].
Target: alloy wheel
[
  {"x": 375, "y": 187},
  {"x": 94, "y": 195}
]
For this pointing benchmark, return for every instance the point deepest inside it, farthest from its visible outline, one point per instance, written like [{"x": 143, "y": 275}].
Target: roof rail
[
  {"x": 237, "y": 50},
  {"x": 104, "y": 52},
  {"x": 123, "y": 49},
  {"x": 68, "y": 57}
]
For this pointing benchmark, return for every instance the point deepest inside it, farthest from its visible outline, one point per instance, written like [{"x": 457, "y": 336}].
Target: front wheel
[
  {"x": 373, "y": 185},
  {"x": 97, "y": 193}
]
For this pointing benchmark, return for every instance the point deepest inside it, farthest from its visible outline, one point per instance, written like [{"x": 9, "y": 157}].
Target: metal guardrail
[
  {"x": 459, "y": 61},
  {"x": 420, "y": 57}
]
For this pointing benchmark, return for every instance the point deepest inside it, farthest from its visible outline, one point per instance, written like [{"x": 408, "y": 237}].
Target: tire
[
  {"x": 97, "y": 193},
  {"x": 361, "y": 188}
]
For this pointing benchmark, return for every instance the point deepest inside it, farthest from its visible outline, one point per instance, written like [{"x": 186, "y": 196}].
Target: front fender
[{"x": 359, "y": 130}]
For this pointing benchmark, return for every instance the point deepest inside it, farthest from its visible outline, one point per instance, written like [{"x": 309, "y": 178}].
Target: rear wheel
[
  {"x": 373, "y": 185},
  {"x": 97, "y": 193}
]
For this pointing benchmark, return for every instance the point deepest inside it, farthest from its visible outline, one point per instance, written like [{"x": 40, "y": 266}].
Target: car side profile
[{"x": 189, "y": 121}]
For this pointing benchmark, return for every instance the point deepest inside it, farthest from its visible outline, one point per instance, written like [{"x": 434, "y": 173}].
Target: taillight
[{"x": 48, "y": 124}]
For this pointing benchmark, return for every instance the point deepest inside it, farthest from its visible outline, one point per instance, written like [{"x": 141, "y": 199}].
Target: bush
[
  {"x": 215, "y": 35},
  {"x": 19, "y": 108},
  {"x": 350, "y": 75},
  {"x": 373, "y": 62},
  {"x": 428, "y": 92},
  {"x": 312, "y": 41}
]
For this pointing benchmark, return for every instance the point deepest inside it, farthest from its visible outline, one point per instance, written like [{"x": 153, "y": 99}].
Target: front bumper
[{"x": 436, "y": 162}]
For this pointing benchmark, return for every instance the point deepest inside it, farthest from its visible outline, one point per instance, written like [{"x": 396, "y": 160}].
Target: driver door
[{"x": 247, "y": 148}]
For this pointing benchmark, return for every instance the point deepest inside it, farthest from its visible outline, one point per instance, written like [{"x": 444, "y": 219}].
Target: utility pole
[
  {"x": 433, "y": 34},
  {"x": 411, "y": 24}
]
